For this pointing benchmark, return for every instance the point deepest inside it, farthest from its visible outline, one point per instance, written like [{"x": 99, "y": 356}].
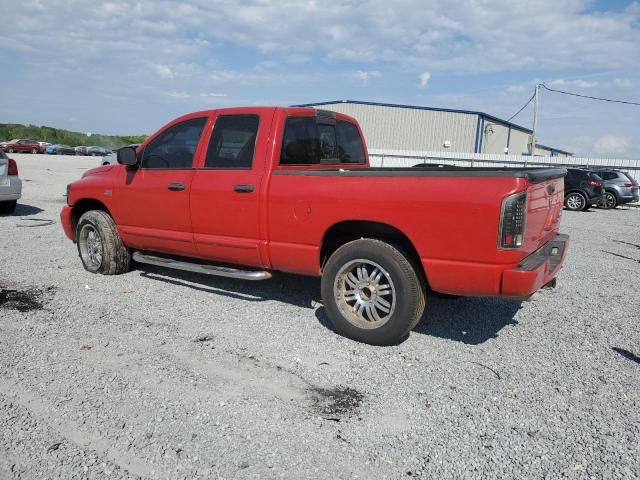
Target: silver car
[
  {"x": 10, "y": 184},
  {"x": 620, "y": 188}
]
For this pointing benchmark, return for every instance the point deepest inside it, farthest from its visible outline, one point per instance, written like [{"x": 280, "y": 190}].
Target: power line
[
  {"x": 584, "y": 96},
  {"x": 525, "y": 106}
]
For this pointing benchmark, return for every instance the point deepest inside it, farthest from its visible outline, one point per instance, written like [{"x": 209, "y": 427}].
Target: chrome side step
[{"x": 198, "y": 268}]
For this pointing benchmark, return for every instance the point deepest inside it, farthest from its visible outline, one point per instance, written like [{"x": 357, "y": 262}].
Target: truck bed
[{"x": 533, "y": 174}]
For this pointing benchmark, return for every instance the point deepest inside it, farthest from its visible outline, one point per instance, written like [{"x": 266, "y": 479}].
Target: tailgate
[{"x": 545, "y": 201}]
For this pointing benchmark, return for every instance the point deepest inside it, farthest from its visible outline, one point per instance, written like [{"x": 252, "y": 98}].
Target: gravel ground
[{"x": 158, "y": 374}]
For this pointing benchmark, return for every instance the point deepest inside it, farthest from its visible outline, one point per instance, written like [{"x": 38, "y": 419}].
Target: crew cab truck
[{"x": 242, "y": 192}]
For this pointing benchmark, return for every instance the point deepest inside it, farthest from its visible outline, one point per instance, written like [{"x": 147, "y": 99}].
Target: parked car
[
  {"x": 60, "y": 150},
  {"x": 81, "y": 150},
  {"x": 619, "y": 188},
  {"x": 98, "y": 151},
  {"x": 22, "y": 146},
  {"x": 291, "y": 189},
  {"x": 582, "y": 189},
  {"x": 10, "y": 184},
  {"x": 111, "y": 158}
]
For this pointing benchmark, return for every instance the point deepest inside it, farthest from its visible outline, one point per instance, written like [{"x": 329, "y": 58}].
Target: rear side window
[
  {"x": 233, "y": 142},
  {"x": 175, "y": 147},
  {"x": 309, "y": 142},
  {"x": 608, "y": 175}
]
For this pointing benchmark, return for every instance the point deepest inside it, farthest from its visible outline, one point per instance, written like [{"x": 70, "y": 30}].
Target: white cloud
[
  {"x": 424, "y": 78},
  {"x": 365, "y": 76},
  {"x": 611, "y": 145},
  {"x": 179, "y": 95},
  {"x": 163, "y": 71},
  {"x": 213, "y": 95}
]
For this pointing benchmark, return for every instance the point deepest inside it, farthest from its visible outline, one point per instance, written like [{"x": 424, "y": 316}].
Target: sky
[{"x": 129, "y": 67}]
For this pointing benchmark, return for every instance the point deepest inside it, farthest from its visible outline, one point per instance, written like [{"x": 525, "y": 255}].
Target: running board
[{"x": 199, "y": 268}]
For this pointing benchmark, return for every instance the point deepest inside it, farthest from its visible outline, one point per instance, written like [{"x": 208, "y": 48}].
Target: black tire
[
  {"x": 609, "y": 202},
  {"x": 7, "y": 208},
  {"x": 575, "y": 201},
  {"x": 397, "y": 274},
  {"x": 115, "y": 257}
]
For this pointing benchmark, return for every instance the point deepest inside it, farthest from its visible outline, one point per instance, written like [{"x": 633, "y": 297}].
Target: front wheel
[
  {"x": 575, "y": 202},
  {"x": 10, "y": 150},
  {"x": 100, "y": 246},
  {"x": 372, "y": 293}
]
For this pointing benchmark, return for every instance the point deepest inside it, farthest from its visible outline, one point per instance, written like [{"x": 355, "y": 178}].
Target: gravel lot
[{"x": 158, "y": 374}]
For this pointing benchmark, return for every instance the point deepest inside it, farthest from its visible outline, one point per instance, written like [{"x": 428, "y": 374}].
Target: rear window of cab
[{"x": 324, "y": 141}]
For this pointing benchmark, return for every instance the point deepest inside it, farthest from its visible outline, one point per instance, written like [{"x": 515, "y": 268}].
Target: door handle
[
  {"x": 244, "y": 188},
  {"x": 176, "y": 186}
]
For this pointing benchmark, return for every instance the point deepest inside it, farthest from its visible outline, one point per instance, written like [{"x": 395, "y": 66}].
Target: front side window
[
  {"x": 309, "y": 142},
  {"x": 233, "y": 142},
  {"x": 175, "y": 147}
]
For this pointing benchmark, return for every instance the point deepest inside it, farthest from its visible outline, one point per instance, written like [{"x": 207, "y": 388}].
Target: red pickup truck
[{"x": 241, "y": 192}]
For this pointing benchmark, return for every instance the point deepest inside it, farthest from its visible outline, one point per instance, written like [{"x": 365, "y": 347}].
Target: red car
[
  {"x": 22, "y": 146},
  {"x": 291, "y": 189}
]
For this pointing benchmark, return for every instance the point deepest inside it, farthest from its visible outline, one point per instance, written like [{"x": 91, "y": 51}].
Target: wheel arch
[
  {"x": 349, "y": 230},
  {"x": 83, "y": 206}
]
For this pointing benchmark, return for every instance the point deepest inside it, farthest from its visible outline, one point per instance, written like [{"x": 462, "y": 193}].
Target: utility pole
[{"x": 532, "y": 151}]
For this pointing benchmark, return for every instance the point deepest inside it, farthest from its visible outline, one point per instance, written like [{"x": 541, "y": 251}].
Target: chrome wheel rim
[
  {"x": 365, "y": 293},
  {"x": 90, "y": 247},
  {"x": 574, "y": 202}
]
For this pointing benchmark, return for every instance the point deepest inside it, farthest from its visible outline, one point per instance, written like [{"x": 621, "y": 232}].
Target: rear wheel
[
  {"x": 609, "y": 201},
  {"x": 100, "y": 246},
  {"x": 8, "y": 207},
  {"x": 575, "y": 202},
  {"x": 371, "y": 292}
]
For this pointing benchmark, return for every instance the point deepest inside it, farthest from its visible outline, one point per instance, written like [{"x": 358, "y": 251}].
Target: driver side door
[{"x": 153, "y": 200}]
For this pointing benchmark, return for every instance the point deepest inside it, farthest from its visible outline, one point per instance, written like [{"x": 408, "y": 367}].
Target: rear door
[
  {"x": 227, "y": 195},
  {"x": 152, "y": 201}
]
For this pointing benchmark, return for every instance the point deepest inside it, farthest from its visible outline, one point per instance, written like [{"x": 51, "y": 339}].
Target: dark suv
[
  {"x": 582, "y": 189},
  {"x": 619, "y": 188}
]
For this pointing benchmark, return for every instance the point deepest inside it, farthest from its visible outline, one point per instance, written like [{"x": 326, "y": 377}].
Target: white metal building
[{"x": 408, "y": 127}]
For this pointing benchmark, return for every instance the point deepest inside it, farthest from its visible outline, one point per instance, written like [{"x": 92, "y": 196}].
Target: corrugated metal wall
[
  {"x": 519, "y": 143},
  {"x": 494, "y": 137},
  {"x": 410, "y": 128}
]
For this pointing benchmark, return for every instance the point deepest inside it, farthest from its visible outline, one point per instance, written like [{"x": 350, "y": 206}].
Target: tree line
[{"x": 10, "y": 131}]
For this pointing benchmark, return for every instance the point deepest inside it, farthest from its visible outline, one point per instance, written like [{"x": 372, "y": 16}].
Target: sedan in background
[
  {"x": 98, "y": 151},
  {"x": 81, "y": 150},
  {"x": 10, "y": 184},
  {"x": 22, "y": 146},
  {"x": 619, "y": 188},
  {"x": 60, "y": 150}
]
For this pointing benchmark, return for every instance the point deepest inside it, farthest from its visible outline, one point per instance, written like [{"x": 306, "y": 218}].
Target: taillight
[
  {"x": 512, "y": 220},
  {"x": 593, "y": 183},
  {"x": 13, "y": 168},
  {"x": 628, "y": 184}
]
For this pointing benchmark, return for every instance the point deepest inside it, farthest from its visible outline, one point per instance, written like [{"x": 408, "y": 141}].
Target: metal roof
[{"x": 417, "y": 107}]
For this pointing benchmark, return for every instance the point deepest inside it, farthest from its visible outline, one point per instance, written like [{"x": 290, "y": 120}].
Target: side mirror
[{"x": 127, "y": 156}]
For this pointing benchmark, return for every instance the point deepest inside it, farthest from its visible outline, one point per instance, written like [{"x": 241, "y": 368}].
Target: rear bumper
[
  {"x": 494, "y": 279},
  {"x": 537, "y": 269},
  {"x": 10, "y": 189},
  {"x": 67, "y": 223}
]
